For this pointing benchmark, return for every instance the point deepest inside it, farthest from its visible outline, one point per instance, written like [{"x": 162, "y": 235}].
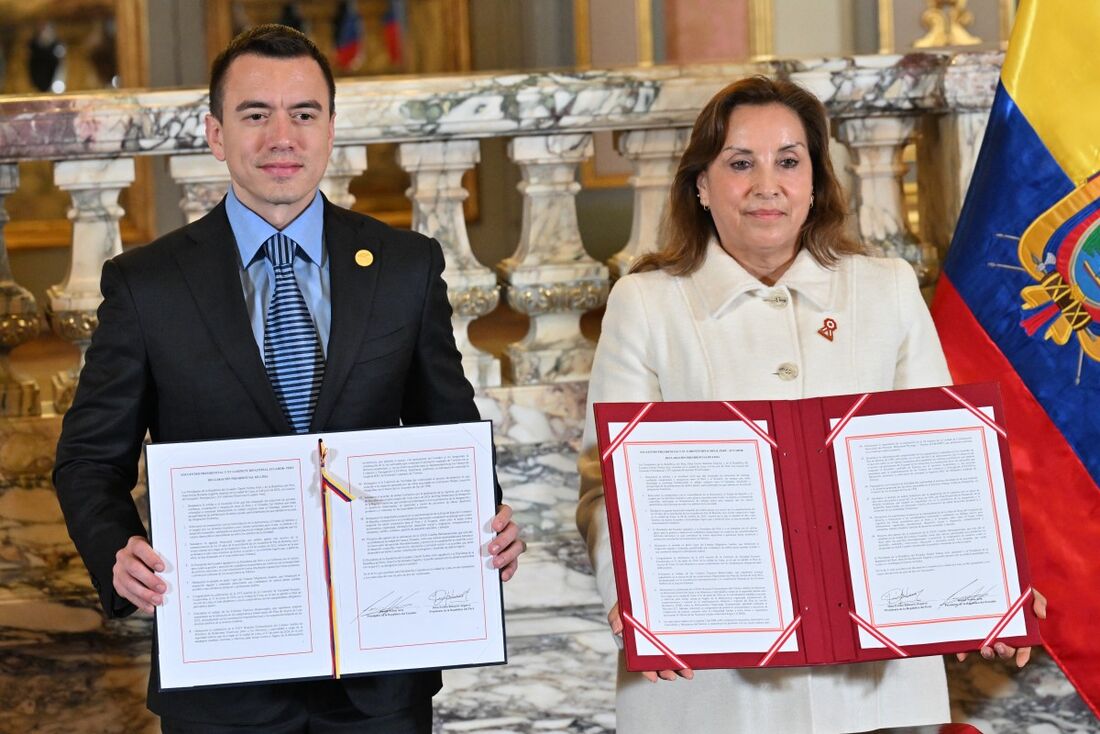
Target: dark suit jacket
[{"x": 174, "y": 354}]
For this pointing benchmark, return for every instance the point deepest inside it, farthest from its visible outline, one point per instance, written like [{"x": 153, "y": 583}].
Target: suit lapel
[
  {"x": 352, "y": 290},
  {"x": 211, "y": 269}
]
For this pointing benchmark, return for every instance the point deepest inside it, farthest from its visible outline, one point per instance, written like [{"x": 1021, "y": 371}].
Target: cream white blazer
[{"x": 721, "y": 334}]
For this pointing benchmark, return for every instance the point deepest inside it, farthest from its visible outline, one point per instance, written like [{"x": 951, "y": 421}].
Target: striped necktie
[{"x": 293, "y": 357}]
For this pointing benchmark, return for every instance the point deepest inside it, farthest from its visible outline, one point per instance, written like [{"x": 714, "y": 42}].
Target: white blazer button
[
  {"x": 787, "y": 371},
  {"x": 777, "y": 299}
]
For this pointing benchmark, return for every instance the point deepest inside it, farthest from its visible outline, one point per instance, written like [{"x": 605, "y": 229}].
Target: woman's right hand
[{"x": 616, "y": 622}]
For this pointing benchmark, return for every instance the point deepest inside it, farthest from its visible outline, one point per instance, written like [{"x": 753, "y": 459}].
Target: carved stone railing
[{"x": 878, "y": 104}]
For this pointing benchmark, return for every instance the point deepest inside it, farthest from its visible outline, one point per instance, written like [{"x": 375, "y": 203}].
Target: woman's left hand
[{"x": 1005, "y": 652}]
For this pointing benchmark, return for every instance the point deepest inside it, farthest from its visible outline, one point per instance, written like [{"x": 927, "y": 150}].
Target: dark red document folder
[{"x": 824, "y": 617}]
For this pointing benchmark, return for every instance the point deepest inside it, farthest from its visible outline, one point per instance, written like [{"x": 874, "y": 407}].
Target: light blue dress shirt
[{"x": 258, "y": 274}]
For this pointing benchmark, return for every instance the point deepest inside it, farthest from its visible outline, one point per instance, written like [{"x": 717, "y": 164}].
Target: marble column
[
  {"x": 436, "y": 169},
  {"x": 94, "y": 186},
  {"x": 654, "y": 154},
  {"x": 19, "y": 395},
  {"x": 204, "y": 180},
  {"x": 947, "y": 149},
  {"x": 550, "y": 277},
  {"x": 347, "y": 162},
  {"x": 876, "y": 145}
]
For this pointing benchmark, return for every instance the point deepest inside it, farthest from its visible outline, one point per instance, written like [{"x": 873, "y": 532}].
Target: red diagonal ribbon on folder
[
  {"x": 873, "y": 631},
  {"x": 677, "y": 663},
  {"x": 618, "y": 440},
  {"x": 844, "y": 421},
  {"x": 780, "y": 641},
  {"x": 751, "y": 424},
  {"x": 1003, "y": 621},
  {"x": 980, "y": 415}
]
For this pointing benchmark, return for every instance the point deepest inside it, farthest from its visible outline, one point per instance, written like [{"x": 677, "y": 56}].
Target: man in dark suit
[{"x": 188, "y": 348}]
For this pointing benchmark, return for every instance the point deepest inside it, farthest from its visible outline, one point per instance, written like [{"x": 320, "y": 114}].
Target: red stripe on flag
[{"x": 1059, "y": 501}]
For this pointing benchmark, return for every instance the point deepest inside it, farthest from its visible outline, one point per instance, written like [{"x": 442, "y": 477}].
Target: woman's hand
[
  {"x": 1003, "y": 651},
  {"x": 616, "y": 622}
]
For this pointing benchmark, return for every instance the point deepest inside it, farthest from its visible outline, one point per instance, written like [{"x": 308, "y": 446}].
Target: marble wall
[{"x": 64, "y": 670}]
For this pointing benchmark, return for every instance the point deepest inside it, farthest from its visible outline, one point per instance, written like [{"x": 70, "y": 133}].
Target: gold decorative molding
[
  {"x": 886, "y": 26},
  {"x": 946, "y": 21},
  {"x": 761, "y": 29},
  {"x": 1008, "y": 18},
  {"x": 643, "y": 24},
  {"x": 582, "y": 35}
]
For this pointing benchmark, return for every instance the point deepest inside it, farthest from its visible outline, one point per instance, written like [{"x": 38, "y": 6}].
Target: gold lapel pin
[{"x": 363, "y": 258}]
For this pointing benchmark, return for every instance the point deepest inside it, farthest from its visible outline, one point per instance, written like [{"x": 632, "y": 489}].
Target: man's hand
[
  {"x": 616, "y": 621},
  {"x": 1003, "y": 651},
  {"x": 134, "y": 574},
  {"x": 507, "y": 546}
]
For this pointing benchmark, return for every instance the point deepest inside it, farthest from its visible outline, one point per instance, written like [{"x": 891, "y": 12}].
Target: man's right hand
[{"x": 135, "y": 577}]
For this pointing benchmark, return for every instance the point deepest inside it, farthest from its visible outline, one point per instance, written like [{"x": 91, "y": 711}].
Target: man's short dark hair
[{"x": 273, "y": 41}]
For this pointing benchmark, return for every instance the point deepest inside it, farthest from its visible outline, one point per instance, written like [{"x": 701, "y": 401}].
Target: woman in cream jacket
[{"x": 759, "y": 294}]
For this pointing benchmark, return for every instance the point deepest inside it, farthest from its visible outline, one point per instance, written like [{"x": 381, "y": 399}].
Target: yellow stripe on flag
[{"x": 1052, "y": 74}]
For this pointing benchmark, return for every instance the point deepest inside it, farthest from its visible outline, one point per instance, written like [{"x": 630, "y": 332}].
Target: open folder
[
  {"x": 817, "y": 531},
  {"x": 325, "y": 555}
]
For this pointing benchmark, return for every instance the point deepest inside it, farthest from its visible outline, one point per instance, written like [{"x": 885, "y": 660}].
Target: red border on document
[
  {"x": 477, "y": 531},
  {"x": 767, "y": 521},
  {"x": 859, "y": 524},
  {"x": 305, "y": 556}
]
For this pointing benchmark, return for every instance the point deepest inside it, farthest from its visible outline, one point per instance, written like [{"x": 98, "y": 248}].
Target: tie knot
[{"x": 279, "y": 249}]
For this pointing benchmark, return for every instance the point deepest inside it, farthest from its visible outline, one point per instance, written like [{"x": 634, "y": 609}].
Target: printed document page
[
  {"x": 411, "y": 550},
  {"x": 702, "y": 536},
  {"x": 927, "y": 526},
  {"x": 242, "y": 529},
  {"x": 238, "y": 525}
]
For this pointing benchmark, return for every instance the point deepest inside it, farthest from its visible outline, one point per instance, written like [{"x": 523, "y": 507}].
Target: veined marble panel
[
  {"x": 129, "y": 123},
  {"x": 533, "y": 414}
]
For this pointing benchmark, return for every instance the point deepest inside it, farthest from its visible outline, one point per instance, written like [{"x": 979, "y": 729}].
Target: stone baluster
[
  {"x": 948, "y": 144},
  {"x": 550, "y": 277},
  {"x": 436, "y": 169},
  {"x": 875, "y": 145},
  {"x": 19, "y": 395},
  {"x": 204, "y": 180},
  {"x": 346, "y": 163},
  {"x": 654, "y": 155},
  {"x": 94, "y": 186},
  {"x": 947, "y": 149}
]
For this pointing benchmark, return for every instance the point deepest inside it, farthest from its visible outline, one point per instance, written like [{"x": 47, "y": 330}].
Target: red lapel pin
[{"x": 828, "y": 328}]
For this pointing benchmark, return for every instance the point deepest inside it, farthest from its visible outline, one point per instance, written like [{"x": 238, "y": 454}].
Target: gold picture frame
[
  {"x": 438, "y": 42},
  {"x": 47, "y": 226}
]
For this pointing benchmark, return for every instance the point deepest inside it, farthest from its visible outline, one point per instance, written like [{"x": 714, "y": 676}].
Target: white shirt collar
[{"x": 722, "y": 281}]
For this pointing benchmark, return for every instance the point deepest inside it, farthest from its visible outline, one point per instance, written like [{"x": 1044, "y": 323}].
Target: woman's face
[{"x": 759, "y": 187}]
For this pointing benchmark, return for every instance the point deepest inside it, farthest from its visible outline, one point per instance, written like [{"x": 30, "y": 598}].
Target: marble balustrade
[
  {"x": 64, "y": 669},
  {"x": 879, "y": 104}
]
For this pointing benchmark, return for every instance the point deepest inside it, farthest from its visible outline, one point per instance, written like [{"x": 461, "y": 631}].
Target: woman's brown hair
[{"x": 687, "y": 227}]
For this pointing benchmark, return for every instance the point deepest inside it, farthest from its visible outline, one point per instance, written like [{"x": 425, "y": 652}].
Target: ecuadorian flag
[{"x": 1019, "y": 301}]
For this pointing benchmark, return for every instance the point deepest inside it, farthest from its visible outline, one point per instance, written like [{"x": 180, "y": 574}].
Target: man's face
[{"x": 275, "y": 134}]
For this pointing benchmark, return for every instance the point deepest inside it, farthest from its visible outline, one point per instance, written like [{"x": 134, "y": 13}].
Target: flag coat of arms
[{"x": 1019, "y": 302}]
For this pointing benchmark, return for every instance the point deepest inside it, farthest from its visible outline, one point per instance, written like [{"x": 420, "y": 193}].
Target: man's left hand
[{"x": 507, "y": 546}]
